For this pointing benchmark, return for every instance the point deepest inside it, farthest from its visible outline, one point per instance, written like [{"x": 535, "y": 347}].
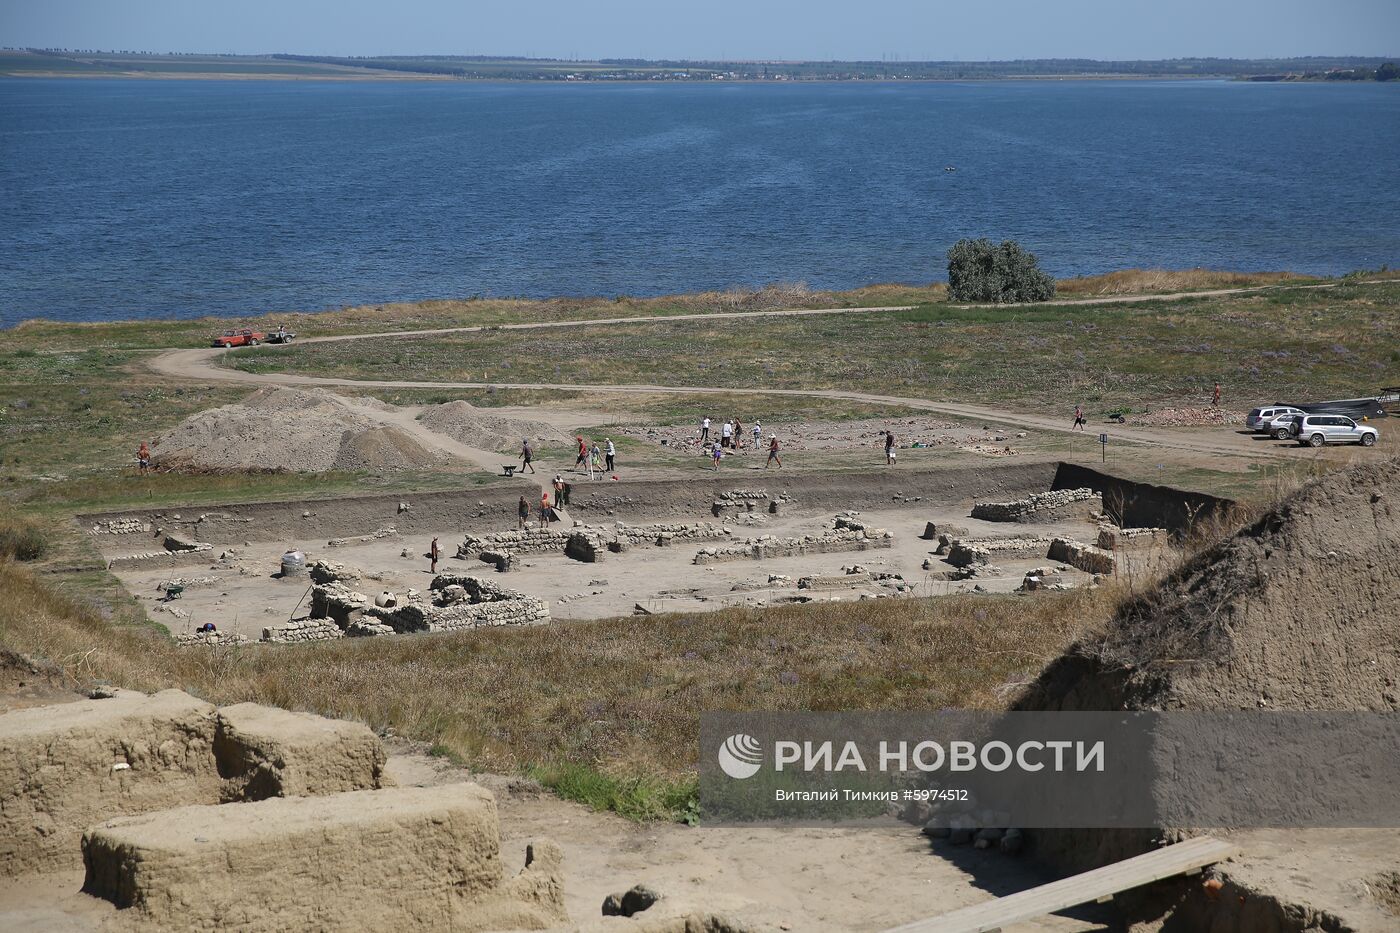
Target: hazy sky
[{"x": 784, "y": 29}]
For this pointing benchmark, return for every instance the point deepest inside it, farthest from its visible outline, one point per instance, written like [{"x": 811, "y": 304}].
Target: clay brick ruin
[{"x": 252, "y": 817}]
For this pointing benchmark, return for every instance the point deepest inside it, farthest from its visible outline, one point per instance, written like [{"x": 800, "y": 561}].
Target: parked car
[
  {"x": 1281, "y": 428},
  {"x": 239, "y": 338},
  {"x": 1317, "y": 430},
  {"x": 1259, "y": 418}
]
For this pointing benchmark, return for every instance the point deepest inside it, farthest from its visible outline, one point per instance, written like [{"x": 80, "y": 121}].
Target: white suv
[
  {"x": 1316, "y": 430},
  {"x": 1260, "y": 419}
]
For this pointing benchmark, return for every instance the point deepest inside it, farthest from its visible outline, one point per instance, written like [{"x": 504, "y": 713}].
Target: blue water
[{"x": 122, "y": 199}]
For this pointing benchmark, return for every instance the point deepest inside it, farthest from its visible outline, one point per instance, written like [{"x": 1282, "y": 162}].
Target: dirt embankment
[
  {"x": 296, "y": 430},
  {"x": 1295, "y": 612},
  {"x": 470, "y": 425}
]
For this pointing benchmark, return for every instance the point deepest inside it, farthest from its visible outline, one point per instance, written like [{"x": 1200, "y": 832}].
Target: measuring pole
[{"x": 1103, "y": 442}]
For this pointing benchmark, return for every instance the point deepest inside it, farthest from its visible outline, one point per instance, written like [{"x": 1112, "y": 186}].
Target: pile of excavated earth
[
  {"x": 1297, "y": 611},
  {"x": 296, "y": 430},
  {"x": 184, "y": 816},
  {"x": 482, "y": 428}
]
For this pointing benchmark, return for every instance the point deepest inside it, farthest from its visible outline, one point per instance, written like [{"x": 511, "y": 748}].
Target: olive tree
[{"x": 982, "y": 271}]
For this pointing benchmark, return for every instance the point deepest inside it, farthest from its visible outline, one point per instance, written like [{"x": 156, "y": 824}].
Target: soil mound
[
  {"x": 1295, "y": 612},
  {"x": 290, "y": 429},
  {"x": 479, "y": 428}
]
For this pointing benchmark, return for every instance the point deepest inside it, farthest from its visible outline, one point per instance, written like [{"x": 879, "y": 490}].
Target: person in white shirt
[
  {"x": 727, "y": 434},
  {"x": 611, "y": 453},
  {"x": 705, "y": 431}
]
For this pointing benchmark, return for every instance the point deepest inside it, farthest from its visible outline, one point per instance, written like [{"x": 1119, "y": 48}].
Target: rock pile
[
  {"x": 209, "y": 639},
  {"x": 1042, "y": 507}
]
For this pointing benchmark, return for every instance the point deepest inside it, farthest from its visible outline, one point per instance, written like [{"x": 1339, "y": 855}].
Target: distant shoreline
[{"x": 441, "y": 79}]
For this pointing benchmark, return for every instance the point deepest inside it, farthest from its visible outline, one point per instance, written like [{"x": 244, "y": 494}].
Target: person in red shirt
[{"x": 773, "y": 452}]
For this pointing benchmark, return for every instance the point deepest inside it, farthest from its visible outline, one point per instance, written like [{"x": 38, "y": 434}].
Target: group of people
[
  {"x": 592, "y": 459},
  {"x": 548, "y": 506},
  {"x": 730, "y": 437}
]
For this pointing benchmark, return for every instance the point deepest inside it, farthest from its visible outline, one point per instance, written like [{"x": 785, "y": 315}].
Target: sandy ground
[{"x": 243, "y": 594}]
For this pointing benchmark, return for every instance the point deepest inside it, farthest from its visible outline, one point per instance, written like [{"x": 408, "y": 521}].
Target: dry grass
[
  {"x": 1166, "y": 281},
  {"x": 619, "y": 697}
]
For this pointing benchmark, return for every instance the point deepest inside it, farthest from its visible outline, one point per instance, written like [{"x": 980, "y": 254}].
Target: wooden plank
[{"x": 1166, "y": 862}]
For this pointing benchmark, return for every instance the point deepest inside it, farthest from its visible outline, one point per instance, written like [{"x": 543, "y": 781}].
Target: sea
[{"x": 124, "y": 199}]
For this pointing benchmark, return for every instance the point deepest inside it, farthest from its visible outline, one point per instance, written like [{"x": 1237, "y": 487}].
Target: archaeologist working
[
  {"x": 433, "y": 554},
  {"x": 726, "y": 432},
  {"x": 527, "y": 456},
  {"x": 611, "y": 454},
  {"x": 559, "y": 501},
  {"x": 704, "y": 430},
  {"x": 1215, "y": 396},
  {"x": 143, "y": 457},
  {"x": 544, "y": 510},
  {"x": 889, "y": 448},
  {"x": 717, "y": 454},
  {"x": 773, "y": 452},
  {"x": 522, "y": 514},
  {"x": 582, "y": 460},
  {"x": 1078, "y": 418},
  {"x": 757, "y": 435}
]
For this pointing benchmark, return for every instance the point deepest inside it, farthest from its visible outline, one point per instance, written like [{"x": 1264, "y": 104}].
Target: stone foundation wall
[
  {"x": 1042, "y": 507},
  {"x": 453, "y": 602},
  {"x": 769, "y": 546},
  {"x": 301, "y": 630},
  {"x": 965, "y": 552},
  {"x": 209, "y": 639},
  {"x": 1085, "y": 557},
  {"x": 1112, "y": 538}
]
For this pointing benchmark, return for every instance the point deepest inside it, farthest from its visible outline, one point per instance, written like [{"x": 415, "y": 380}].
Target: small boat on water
[{"x": 949, "y": 168}]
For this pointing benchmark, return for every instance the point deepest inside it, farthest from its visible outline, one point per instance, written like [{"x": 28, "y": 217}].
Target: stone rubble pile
[{"x": 1039, "y": 506}]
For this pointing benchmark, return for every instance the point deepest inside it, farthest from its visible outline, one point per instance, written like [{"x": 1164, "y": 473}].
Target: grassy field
[{"x": 1279, "y": 344}]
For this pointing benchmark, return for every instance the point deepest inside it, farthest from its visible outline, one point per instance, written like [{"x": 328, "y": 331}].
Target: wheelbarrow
[{"x": 173, "y": 591}]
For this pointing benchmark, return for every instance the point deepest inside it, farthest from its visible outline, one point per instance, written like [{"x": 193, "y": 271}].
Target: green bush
[
  {"x": 982, "y": 271},
  {"x": 21, "y": 540}
]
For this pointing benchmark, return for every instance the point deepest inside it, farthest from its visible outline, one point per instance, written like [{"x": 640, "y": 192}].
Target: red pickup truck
[{"x": 238, "y": 338}]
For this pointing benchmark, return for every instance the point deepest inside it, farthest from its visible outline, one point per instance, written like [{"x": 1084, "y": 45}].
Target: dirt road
[{"x": 200, "y": 365}]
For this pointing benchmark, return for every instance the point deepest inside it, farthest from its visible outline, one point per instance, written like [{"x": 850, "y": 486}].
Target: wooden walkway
[{"x": 1101, "y": 883}]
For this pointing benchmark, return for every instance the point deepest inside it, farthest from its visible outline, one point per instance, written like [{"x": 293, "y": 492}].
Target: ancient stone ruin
[
  {"x": 1060, "y": 505},
  {"x": 769, "y": 546},
  {"x": 453, "y": 602}
]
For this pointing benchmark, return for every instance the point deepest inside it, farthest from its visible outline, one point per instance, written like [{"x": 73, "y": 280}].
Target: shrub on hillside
[
  {"x": 21, "y": 540},
  {"x": 982, "y": 271}
]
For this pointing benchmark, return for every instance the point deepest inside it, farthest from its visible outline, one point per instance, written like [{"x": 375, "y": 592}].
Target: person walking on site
[
  {"x": 1078, "y": 418},
  {"x": 705, "y": 431},
  {"x": 889, "y": 448},
  {"x": 611, "y": 454},
  {"x": 582, "y": 459},
  {"x": 522, "y": 514},
  {"x": 717, "y": 454},
  {"x": 773, "y": 452},
  {"x": 757, "y": 434},
  {"x": 726, "y": 434},
  {"x": 527, "y": 456},
  {"x": 143, "y": 457},
  {"x": 1215, "y": 396},
  {"x": 544, "y": 510},
  {"x": 738, "y": 434},
  {"x": 433, "y": 554}
]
